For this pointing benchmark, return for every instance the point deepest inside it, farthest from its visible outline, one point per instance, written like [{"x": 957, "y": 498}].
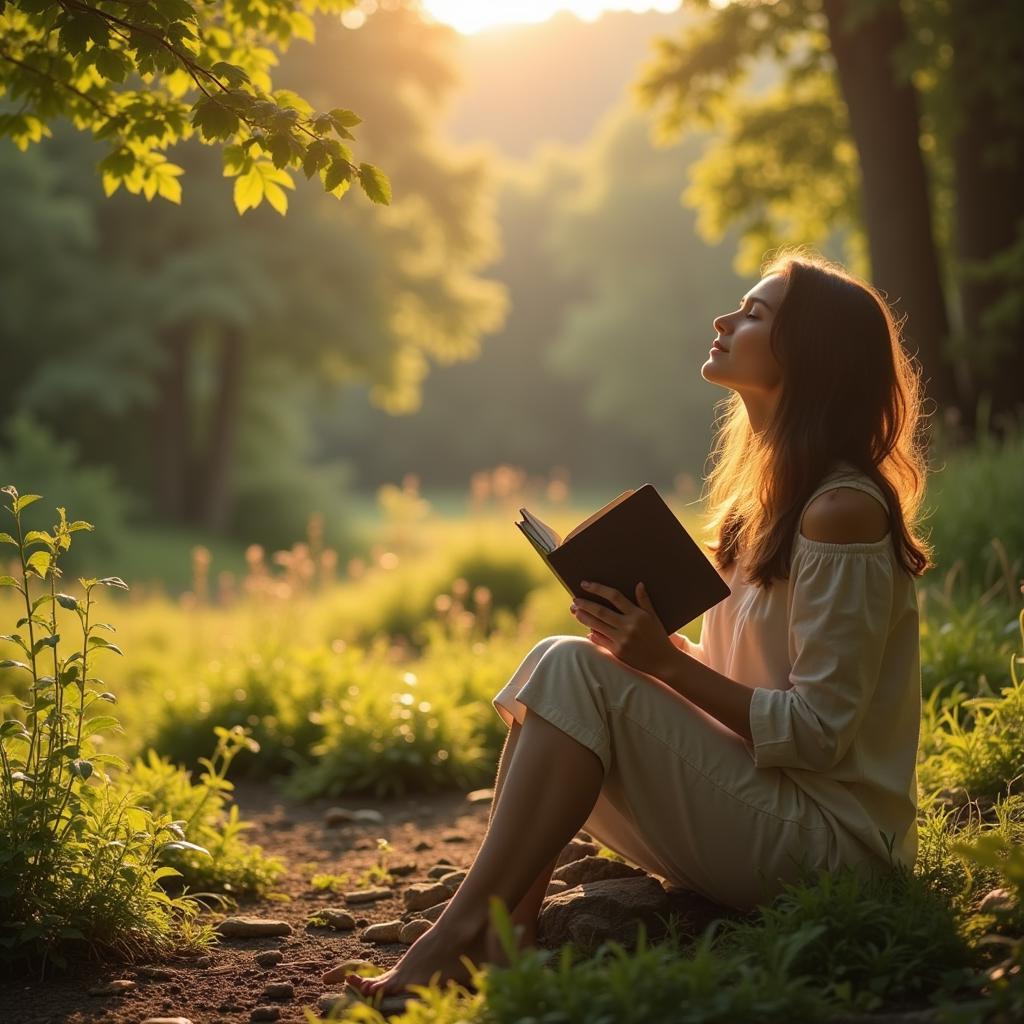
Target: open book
[{"x": 633, "y": 539}]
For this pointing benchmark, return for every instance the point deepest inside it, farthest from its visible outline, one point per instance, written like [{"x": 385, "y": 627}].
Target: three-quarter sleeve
[{"x": 840, "y": 611}]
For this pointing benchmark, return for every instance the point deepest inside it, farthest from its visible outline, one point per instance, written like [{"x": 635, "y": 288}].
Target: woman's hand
[{"x": 634, "y": 633}]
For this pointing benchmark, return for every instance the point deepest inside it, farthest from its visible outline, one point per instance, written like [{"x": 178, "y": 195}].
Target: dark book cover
[{"x": 639, "y": 539}]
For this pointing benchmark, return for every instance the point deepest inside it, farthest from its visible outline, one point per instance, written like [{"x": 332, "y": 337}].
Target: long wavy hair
[{"x": 850, "y": 393}]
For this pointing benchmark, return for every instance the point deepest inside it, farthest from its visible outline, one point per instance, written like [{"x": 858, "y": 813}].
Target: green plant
[
  {"x": 226, "y": 862},
  {"x": 80, "y": 862}
]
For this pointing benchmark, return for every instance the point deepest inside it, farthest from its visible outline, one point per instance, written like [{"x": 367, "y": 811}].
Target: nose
[{"x": 721, "y": 323}]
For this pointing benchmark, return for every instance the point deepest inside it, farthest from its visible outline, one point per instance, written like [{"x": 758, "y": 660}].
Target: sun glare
[{"x": 476, "y": 15}]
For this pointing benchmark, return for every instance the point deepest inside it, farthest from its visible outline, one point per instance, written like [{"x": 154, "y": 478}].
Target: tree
[
  {"x": 143, "y": 75},
  {"x": 857, "y": 137}
]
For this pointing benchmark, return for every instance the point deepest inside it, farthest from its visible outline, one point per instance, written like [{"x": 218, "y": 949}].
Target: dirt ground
[{"x": 227, "y": 985}]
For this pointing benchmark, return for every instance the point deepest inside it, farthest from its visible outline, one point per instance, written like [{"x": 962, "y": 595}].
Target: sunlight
[{"x": 473, "y": 16}]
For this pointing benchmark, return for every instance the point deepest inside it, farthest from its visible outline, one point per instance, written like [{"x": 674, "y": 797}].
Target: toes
[{"x": 333, "y": 975}]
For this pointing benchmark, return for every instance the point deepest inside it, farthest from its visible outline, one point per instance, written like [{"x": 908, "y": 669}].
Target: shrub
[{"x": 81, "y": 863}]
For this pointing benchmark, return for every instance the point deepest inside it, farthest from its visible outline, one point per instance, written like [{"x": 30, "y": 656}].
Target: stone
[
  {"x": 269, "y": 958},
  {"x": 113, "y": 988},
  {"x": 252, "y": 927},
  {"x": 480, "y": 796},
  {"x": 335, "y": 817},
  {"x": 454, "y": 837},
  {"x": 365, "y": 844},
  {"x": 576, "y": 850},
  {"x": 441, "y": 869},
  {"x": 333, "y": 917},
  {"x": 203, "y": 961},
  {"x": 368, "y": 895},
  {"x": 608, "y": 910},
  {"x": 555, "y": 886},
  {"x": 422, "y": 896},
  {"x": 265, "y": 1013},
  {"x": 167, "y": 1020},
  {"x": 386, "y": 931},
  {"x": 330, "y": 1001},
  {"x": 452, "y": 880},
  {"x": 998, "y": 901},
  {"x": 594, "y": 869},
  {"x": 431, "y": 914},
  {"x": 156, "y": 973},
  {"x": 412, "y": 930},
  {"x": 423, "y": 844},
  {"x": 407, "y": 867},
  {"x": 279, "y": 990}
]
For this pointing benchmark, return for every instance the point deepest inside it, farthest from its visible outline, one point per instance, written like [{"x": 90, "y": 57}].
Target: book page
[
  {"x": 597, "y": 515},
  {"x": 541, "y": 530}
]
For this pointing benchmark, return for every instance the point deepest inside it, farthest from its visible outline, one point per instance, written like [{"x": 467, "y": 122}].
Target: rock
[
  {"x": 422, "y": 896},
  {"x": 575, "y": 850},
  {"x": 335, "y": 817},
  {"x": 365, "y": 844},
  {"x": 330, "y": 1001},
  {"x": 431, "y": 914},
  {"x": 595, "y": 912},
  {"x": 333, "y": 917},
  {"x": 555, "y": 886},
  {"x": 412, "y": 930},
  {"x": 386, "y": 931},
  {"x": 454, "y": 837},
  {"x": 113, "y": 988},
  {"x": 441, "y": 869},
  {"x": 480, "y": 796},
  {"x": 368, "y": 895},
  {"x": 423, "y": 844},
  {"x": 998, "y": 901},
  {"x": 252, "y": 927},
  {"x": 203, "y": 961},
  {"x": 167, "y": 1020},
  {"x": 156, "y": 973},
  {"x": 279, "y": 990},
  {"x": 269, "y": 958},
  {"x": 584, "y": 837},
  {"x": 265, "y": 1013},
  {"x": 594, "y": 869},
  {"x": 452, "y": 880},
  {"x": 407, "y": 867}
]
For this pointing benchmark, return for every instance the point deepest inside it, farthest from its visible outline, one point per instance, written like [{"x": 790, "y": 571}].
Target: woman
[{"x": 787, "y": 737}]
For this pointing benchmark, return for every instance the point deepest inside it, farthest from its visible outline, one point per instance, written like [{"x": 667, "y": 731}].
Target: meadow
[{"x": 131, "y": 711}]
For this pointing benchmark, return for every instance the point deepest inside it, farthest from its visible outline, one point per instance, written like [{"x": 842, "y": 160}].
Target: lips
[{"x": 718, "y": 344}]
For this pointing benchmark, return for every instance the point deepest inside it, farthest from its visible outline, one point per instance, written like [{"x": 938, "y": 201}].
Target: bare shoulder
[{"x": 845, "y": 515}]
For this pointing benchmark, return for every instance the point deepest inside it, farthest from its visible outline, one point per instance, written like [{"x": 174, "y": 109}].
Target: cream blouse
[{"x": 832, "y": 655}]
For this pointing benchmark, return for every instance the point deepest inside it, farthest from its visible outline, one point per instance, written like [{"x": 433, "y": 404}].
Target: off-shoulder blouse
[{"x": 832, "y": 655}]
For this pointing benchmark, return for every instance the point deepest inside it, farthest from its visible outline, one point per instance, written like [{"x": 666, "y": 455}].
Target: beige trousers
[{"x": 681, "y": 796}]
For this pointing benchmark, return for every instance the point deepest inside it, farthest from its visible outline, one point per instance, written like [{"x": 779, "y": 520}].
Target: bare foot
[{"x": 434, "y": 955}]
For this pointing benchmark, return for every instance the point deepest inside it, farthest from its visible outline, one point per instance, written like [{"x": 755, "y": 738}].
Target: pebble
[
  {"x": 265, "y": 1013},
  {"x": 333, "y": 917},
  {"x": 269, "y": 958},
  {"x": 335, "y": 817},
  {"x": 452, "y": 880},
  {"x": 423, "y": 844},
  {"x": 576, "y": 850},
  {"x": 401, "y": 870},
  {"x": 367, "y": 895},
  {"x": 594, "y": 869},
  {"x": 279, "y": 990},
  {"x": 203, "y": 961},
  {"x": 441, "y": 869},
  {"x": 454, "y": 837},
  {"x": 422, "y": 896},
  {"x": 167, "y": 1020},
  {"x": 412, "y": 930},
  {"x": 113, "y": 988},
  {"x": 431, "y": 914},
  {"x": 998, "y": 901},
  {"x": 386, "y": 931},
  {"x": 156, "y": 973},
  {"x": 480, "y": 796},
  {"x": 327, "y": 1003},
  {"x": 252, "y": 927},
  {"x": 365, "y": 844}
]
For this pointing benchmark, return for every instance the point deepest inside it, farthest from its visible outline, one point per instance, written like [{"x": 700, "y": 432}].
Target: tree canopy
[{"x": 145, "y": 75}]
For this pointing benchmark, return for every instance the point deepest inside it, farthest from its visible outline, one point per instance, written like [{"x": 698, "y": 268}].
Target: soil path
[{"x": 226, "y": 986}]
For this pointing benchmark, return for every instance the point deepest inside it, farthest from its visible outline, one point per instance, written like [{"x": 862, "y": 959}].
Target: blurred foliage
[{"x": 142, "y": 77}]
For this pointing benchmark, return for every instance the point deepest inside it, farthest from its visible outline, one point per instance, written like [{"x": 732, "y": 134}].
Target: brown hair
[{"x": 849, "y": 393}]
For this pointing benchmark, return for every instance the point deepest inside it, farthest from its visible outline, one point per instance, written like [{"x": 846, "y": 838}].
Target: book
[{"x": 635, "y": 538}]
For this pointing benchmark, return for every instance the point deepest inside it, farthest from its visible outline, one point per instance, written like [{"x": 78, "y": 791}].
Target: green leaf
[
  {"x": 81, "y": 768},
  {"x": 39, "y": 562},
  {"x": 10, "y": 581},
  {"x": 25, "y": 500},
  {"x": 339, "y": 173},
  {"x": 181, "y": 844},
  {"x": 113, "y": 581},
  {"x": 38, "y": 537},
  {"x": 104, "y": 644},
  {"x": 375, "y": 183},
  {"x": 236, "y": 76},
  {"x": 248, "y": 190},
  {"x": 43, "y": 642},
  {"x": 99, "y": 724},
  {"x": 8, "y": 663},
  {"x": 214, "y": 120},
  {"x": 345, "y": 118},
  {"x": 12, "y": 727},
  {"x": 111, "y": 64},
  {"x": 68, "y": 601},
  {"x": 6, "y": 538}
]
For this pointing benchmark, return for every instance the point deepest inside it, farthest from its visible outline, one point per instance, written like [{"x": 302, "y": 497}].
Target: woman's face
[{"x": 741, "y": 357}]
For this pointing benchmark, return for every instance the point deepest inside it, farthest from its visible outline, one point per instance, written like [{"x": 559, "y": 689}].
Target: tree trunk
[
  {"x": 215, "y": 496},
  {"x": 989, "y": 211},
  {"x": 171, "y": 428},
  {"x": 897, "y": 212}
]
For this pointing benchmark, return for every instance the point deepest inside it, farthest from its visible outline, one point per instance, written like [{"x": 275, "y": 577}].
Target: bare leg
[{"x": 530, "y": 824}]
